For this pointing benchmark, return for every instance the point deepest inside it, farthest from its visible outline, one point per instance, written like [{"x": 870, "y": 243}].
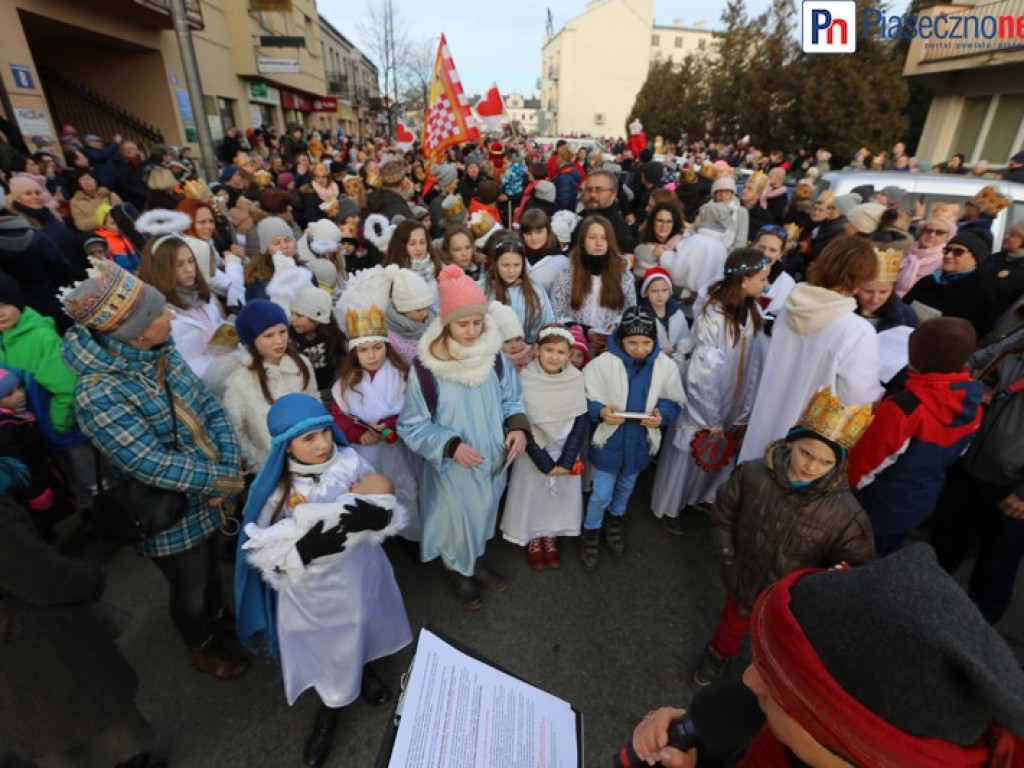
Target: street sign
[
  {"x": 282, "y": 41},
  {"x": 22, "y": 75},
  {"x": 325, "y": 104},
  {"x": 278, "y": 66}
]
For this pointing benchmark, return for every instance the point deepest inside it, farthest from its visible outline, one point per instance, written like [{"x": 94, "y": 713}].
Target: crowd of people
[{"x": 336, "y": 342}]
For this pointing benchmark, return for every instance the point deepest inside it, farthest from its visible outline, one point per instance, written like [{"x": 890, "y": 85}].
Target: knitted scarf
[
  {"x": 190, "y": 296},
  {"x": 552, "y": 400},
  {"x": 326, "y": 194},
  {"x": 402, "y": 326}
]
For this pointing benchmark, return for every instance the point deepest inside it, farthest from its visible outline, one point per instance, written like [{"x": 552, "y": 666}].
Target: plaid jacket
[{"x": 122, "y": 407}]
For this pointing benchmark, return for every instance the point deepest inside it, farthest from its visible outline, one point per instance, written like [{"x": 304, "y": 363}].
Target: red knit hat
[
  {"x": 652, "y": 274},
  {"x": 460, "y": 296}
]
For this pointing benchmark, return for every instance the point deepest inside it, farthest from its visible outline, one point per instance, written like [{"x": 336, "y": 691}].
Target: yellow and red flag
[{"x": 449, "y": 120}]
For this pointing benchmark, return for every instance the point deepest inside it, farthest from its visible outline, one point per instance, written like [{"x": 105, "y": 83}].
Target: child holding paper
[{"x": 632, "y": 376}]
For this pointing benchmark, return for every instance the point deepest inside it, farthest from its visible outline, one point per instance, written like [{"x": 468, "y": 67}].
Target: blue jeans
[{"x": 610, "y": 492}]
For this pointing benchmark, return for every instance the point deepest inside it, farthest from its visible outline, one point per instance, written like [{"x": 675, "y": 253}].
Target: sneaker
[
  {"x": 535, "y": 555},
  {"x": 488, "y": 579},
  {"x": 613, "y": 534},
  {"x": 468, "y": 592},
  {"x": 590, "y": 546},
  {"x": 674, "y": 525},
  {"x": 710, "y": 669},
  {"x": 551, "y": 557}
]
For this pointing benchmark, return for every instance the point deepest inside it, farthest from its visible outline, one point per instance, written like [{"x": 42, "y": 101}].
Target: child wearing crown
[{"x": 791, "y": 509}]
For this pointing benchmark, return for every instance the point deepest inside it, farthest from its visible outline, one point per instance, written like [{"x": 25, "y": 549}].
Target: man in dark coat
[
  {"x": 130, "y": 175},
  {"x": 600, "y": 192},
  {"x": 1015, "y": 168}
]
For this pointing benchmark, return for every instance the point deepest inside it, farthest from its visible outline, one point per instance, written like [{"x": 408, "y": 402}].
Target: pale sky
[{"x": 502, "y": 42}]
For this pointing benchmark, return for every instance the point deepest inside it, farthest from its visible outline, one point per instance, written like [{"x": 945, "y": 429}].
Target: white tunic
[
  {"x": 341, "y": 611},
  {"x": 192, "y": 330},
  {"x": 696, "y": 260},
  {"x": 547, "y": 271},
  {"x": 817, "y": 340}
]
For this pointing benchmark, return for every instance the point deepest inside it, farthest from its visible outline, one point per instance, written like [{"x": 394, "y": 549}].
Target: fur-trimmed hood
[{"x": 471, "y": 366}]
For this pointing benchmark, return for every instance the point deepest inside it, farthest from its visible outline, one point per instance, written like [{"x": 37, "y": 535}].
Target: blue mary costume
[
  {"x": 327, "y": 617},
  {"x": 477, "y": 401}
]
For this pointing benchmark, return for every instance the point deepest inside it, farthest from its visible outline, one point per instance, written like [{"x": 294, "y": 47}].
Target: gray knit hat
[
  {"x": 270, "y": 228},
  {"x": 715, "y": 216},
  {"x": 445, "y": 174},
  {"x": 545, "y": 191},
  {"x": 347, "y": 208},
  {"x": 846, "y": 203},
  {"x": 113, "y": 301}
]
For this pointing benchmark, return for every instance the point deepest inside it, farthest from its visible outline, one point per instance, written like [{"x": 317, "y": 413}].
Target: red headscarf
[{"x": 797, "y": 679}]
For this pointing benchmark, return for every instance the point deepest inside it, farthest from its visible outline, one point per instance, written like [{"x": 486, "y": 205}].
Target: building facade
[
  {"x": 977, "y": 87},
  {"x": 522, "y": 112},
  {"x": 593, "y": 67},
  {"x": 353, "y": 80}
]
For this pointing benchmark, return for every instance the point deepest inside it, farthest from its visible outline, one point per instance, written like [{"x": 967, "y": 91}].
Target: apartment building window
[
  {"x": 989, "y": 127},
  {"x": 679, "y": 42},
  {"x": 700, "y": 44},
  {"x": 655, "y": 40},
  {"x": 226, "y": 111}
]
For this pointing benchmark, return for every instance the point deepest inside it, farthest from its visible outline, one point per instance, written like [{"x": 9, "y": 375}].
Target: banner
[{"x": 449, "y": 120}]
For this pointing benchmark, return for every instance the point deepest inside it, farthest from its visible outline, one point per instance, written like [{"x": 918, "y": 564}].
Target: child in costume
[
  {"x": 276, "y": 239},
  {"x": 410, "y": 312},
  {"x": 544, "y": 257},
  {"x": 632, "y": 376},
  {"x": 513, "y": 337},
  {"x": 268, "y": 367},
  {"x": 410, "y": 248},
  {"x": 791, "y": 509},
  {"x": 673, "y": 328},
  {"x": 457, "y": 248},
  {"x": 313, "y": 585},
  {"x": 721, "y": 383},
  {"x": 508, "y": 281},
  {"x": 367, "y": 396},
  {"x": 463, "y": 413},
  {"x": 316, "y": 335},
  {"x": 544, "y": 495}
]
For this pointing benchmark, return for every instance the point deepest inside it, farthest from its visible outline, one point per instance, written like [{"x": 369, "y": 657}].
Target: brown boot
[
  {"x": 218, "y": 661},
  {"x": 590, "y": 547}
]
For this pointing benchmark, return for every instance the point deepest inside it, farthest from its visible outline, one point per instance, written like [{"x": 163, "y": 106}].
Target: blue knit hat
[
  {"x": 290, "y": 416},
  {"x": 9, "y": 382},
  {"x": 257, "y": 316},
  {"x": 227, "y": 173}
]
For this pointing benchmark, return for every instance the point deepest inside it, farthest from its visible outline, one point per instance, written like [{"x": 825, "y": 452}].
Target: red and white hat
[{"x": 652, "y": 274}]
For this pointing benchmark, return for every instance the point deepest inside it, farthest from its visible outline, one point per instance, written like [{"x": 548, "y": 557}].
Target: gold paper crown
[
  {"x": 366, "y": 322},
  {"x": 263, "y": 178},
  {"x": 197, "y": 190},
  {"x": 889, "y": 262},
  {"x": 828, "y": 197},
  {"x": 793, "y": 231},
  {"x": 758, "y": 180},
  {"x": 826, "y": 416},
  {"x": 453, "y": 206},
  {"x": 989, "y": 201}
]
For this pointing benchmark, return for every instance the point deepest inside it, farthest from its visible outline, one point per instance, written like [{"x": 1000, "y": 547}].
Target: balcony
[{"x": 337, "y": 84}]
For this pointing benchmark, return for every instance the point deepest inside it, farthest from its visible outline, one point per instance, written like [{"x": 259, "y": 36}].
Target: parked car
[
  {"x": 930, "y": 189},
  {"x": 575, "y": 143}
]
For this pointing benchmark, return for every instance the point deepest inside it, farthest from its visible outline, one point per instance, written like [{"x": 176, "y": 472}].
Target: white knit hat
[
  {"x": 201, "y": 250},
  {"x": 507, "y": 321},
  {"x": 563, "y": 223},
  {"x": 314, "y": 303},
  {"x": 724, "y": 182},
  {"x": 410, "y": 292},
  {"x": 323, "y": 237}
]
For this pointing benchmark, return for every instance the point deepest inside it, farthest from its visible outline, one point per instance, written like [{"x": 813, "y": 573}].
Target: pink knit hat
[
  {"x": 652, "y": 274},
  {"x": 460, "y": 296},
  {"x": 579, "y": 342},
  {"x": 19, "y": 185}
]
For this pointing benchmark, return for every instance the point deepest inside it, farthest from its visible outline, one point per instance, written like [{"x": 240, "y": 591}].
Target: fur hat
[
  {"x": 271, "y": 228},
  {"x": 9, "y": 382},
  {"x": 507, "y": 321},
  {"x": 410, "y": 292},
  {"x": 866, "y": 217},
  {"x": 113, "y": 301},
  {"x": 652, "y": 274},
  {"x": 256, "y": 317},
  {"x": 545, "y": 190},
  {"x": 314, "y": 303},
  {"x": 636, "y": 321},
  {"x": 941, "y": 345},
  {"x": 563, "y": 224},
  {"x": 460, "y": 296}
]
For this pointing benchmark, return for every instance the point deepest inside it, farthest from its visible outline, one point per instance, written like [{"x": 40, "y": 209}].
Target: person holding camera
[{"x": 889, "y": 664}]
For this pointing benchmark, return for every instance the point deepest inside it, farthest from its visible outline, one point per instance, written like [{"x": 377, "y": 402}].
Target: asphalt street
[{"x": 615, "y": 643}]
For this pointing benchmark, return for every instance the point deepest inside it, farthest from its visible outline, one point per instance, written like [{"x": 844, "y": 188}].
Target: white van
[{"x": 931, "y": 188}]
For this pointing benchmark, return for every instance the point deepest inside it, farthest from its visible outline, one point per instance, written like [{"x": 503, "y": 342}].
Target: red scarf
[{"x": 798, "y": 680}]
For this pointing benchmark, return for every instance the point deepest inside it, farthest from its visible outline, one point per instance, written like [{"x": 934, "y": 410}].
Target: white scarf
[
  {"x": 424, "y": 268},
  {"x": 552, "y": 400},
  {"x": 372, "y": 401},
  {"x": 607, "y": 382},
  {"x": 469, "y": 366}
]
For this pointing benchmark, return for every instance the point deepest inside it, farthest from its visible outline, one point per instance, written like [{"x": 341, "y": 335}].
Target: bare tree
[
  {"x": 385, "y": 36},
  {"x": 416, "y": 71}
]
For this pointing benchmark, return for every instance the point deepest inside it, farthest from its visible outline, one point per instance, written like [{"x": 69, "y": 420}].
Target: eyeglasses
[
  {"x": 956, "y": 251},
  {"x": 596, "y": 190},
  {"x": 932, "y": 231}
]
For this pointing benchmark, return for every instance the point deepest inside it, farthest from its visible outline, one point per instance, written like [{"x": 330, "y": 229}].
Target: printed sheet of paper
[
  {"x": 893, "y": 350},
  {"x": 460, "y": 712}
]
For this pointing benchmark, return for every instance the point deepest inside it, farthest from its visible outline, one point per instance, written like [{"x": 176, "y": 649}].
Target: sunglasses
[
  {"x": 956, "y": 251},
  {"x": 774, "y": 229}
]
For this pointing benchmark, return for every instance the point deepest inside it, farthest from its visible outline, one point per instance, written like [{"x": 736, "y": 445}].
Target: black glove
[
  {"x": 364, "y": 516},
  {"x": 317, "y": 542}
]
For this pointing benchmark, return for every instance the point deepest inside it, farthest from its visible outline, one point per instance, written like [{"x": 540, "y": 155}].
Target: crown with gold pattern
[
  {"x": 758, "y": 181},
  {"x": 793, "y": 231},
  {"x": 197, "y": 190},
  {"x": 989, "y": 201},
  {"x": 889, "y": 261},
  {"x": 828, "y": 197},
  {"x": 826, "y": 416},
  {"x": 363, "y": 303}
]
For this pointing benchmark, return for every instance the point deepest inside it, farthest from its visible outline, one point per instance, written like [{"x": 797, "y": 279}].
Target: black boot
[
  {"x": 373, "y": 690},
  {"x": 318, "y": 746}
]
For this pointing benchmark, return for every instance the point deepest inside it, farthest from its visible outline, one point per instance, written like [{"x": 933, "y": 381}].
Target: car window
[{"x": 1017, "y": 211}]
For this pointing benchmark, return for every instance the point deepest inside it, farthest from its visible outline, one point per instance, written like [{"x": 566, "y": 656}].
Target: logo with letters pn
[{"x": 829, "y": 26}]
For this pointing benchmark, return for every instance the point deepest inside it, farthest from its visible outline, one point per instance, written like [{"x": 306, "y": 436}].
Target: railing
[
  {"x": 337, "y": 83},
  {"x": 942, "y": 50},
  {"x": 73, "y": 103},
  {"x": 193, "y": 10}
]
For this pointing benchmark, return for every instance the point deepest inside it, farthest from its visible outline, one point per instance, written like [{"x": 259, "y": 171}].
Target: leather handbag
[{"x": 131, "y": 511}]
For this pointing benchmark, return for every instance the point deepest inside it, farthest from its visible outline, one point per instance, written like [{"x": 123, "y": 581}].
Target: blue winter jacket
[
  {"x": 627, "y": 450},
  {"x": 567, "y": 187}
]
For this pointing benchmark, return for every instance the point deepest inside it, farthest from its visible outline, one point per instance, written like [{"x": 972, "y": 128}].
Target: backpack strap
[
  {"x": 428, "y": 385},
  {"x": 499, "y": 364}
]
